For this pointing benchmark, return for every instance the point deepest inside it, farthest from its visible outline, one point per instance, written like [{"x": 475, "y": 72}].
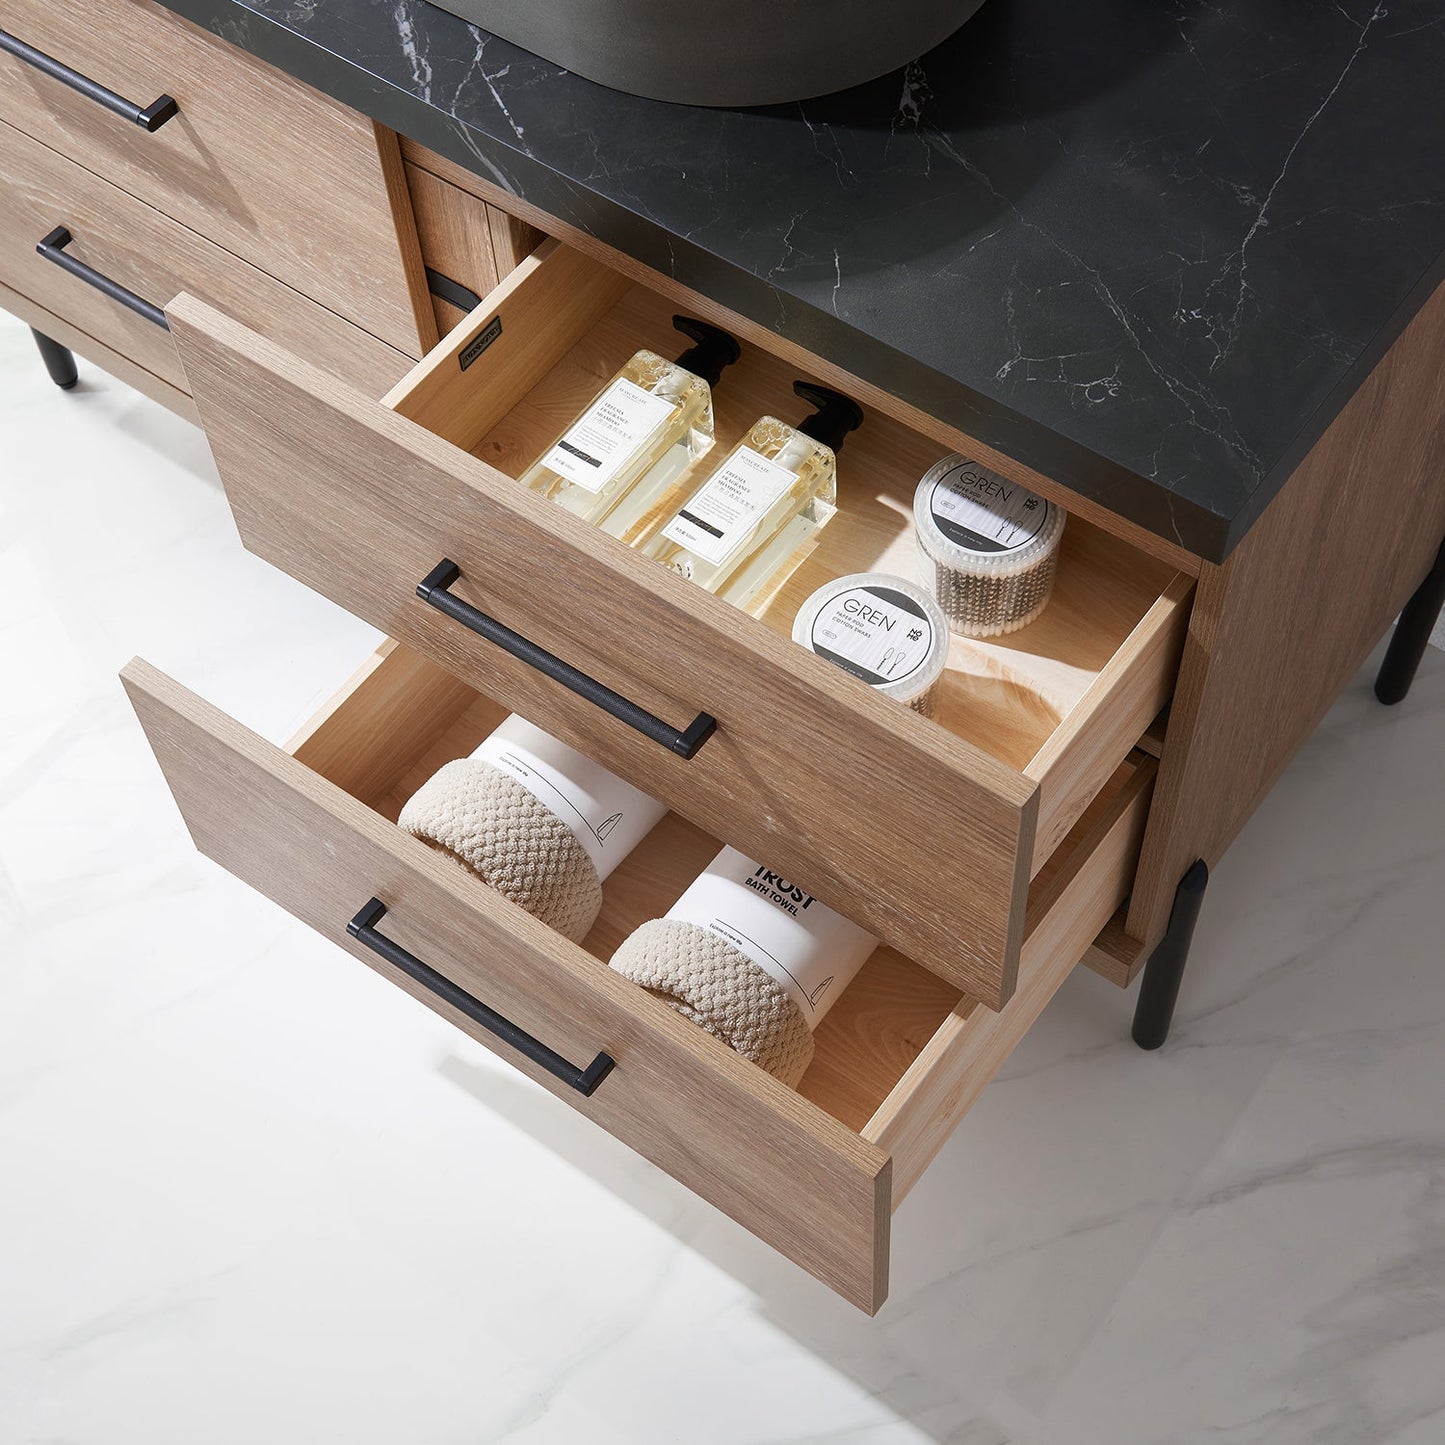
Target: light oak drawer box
[
  {"x": 816, "y": 1174},
  {"x": 124, "y": 241},
  {"x": 266, "y": 167},
  {"x": 925, "y": 832}
]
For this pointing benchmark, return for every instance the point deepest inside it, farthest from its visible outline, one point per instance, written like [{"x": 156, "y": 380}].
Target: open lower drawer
[
  {"x": 927, "y": 832},
  {"x": 816, "y": 1173}
]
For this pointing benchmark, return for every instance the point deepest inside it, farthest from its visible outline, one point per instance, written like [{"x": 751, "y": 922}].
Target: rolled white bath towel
[
  {"x": 751, "y": 957},
  {"x": 490, "y": 824},
  {"x": 538, "y": 821},
  {"x": 713, "y": 983}
]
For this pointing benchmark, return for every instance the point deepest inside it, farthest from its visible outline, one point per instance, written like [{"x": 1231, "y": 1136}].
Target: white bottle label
[
  {"x": 807, "y": 947},
  {"x": 716, "y": 519},
  {"x": 608, "y": 817},
  {"x": 608, "y": 434},
  {"x": 876, "y": 633},
  {"x": 984, "y": 512}
]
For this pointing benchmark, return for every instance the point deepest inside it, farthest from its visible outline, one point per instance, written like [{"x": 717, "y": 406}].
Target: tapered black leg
[
  {"x": 1159, "y": 988},
  {"x": 59, "y": 360},
  {"x": 1412, "y": 635}
]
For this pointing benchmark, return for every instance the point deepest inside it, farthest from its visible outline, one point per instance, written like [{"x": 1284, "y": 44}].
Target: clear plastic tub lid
[
  {"x": 974, "y": 520},
  {"x": 883, "y": 629}
]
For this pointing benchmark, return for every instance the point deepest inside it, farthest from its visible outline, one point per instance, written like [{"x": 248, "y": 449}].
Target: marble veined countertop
[{"x": 1148, "y": 248}]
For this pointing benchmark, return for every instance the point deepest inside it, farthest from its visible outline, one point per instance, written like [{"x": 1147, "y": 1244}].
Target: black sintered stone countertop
[{"x": 1148, "y": 247}]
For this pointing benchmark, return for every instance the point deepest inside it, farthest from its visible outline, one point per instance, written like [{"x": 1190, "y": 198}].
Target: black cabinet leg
[
  {"x": 1412, "y": 635},
  {"x": 59, "y": 360},
  {"x": 1159, "y": 988}
]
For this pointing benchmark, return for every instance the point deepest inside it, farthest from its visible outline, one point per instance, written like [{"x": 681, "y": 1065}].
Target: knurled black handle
[
  {"x": 685, "y": 743},
  {"x": 585, "y": 1081},
  {"x": 53, "y": 249},
  {"x": 149, "y": 117}
]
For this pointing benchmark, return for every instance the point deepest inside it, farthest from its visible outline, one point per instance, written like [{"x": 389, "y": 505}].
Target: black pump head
[
  {"x": 715, "y": 349},
  {"x": 836, "y": 416}
]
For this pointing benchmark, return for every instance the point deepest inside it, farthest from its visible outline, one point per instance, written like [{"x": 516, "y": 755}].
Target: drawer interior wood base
[
  {"x": 899, "y": 1059},
  {"x": 893, "y": 1052},
  {"x": 837, "y": 786},
  {"x": 1039, "y": 700}
]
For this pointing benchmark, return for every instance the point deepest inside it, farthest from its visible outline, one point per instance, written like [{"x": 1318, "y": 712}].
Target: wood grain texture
[
  {"x": 266, "y": 167},
  {"x": 855, "y": 796},
  {"x": 401, "y": 716},
  {"x": 899, "y": 1058},
  {"x": 513, "y": 240},
  {"x": 1281, "y": 627},
  {"x": 1120, "y": 702},
  {"x": 117, "y": 363},
  {"x": 408, "y": 238},
  {"x": 1069, "y": 904},
  {"x": 946, "y": 438},
  {"x": 1114, "y": 954},
  {"x": 545, "y": 304},
  {"x": 1152, "y": 741},
  {"x": 455, "y": 236},
  {"x": 1063, "y": 700},
  {"x": 758, "y": 1151},
  {"x": 154, "y": 256},
  {"x": 463, "y": 237}
]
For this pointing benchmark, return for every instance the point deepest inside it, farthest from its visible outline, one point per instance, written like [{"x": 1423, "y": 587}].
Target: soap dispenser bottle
[
  {"x": 646, "y": 426},
  {"x": 758, "y": 511}
]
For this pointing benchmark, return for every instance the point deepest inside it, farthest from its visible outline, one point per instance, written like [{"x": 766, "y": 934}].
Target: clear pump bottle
[
  {"x": 645, "y": 427},
  {"x": 758, "y": 512}
]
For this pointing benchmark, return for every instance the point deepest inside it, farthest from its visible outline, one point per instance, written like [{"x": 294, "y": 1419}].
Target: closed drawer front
[
  {"x": 925, "y": 831},
  {"x": 259, "y": 163},
  {"x": 816, "y": 1173},
  {"x": 125, "y": 241}
]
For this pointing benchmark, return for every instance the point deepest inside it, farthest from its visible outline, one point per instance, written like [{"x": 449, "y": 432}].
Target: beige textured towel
[
  {"x": 709, "y": 981},
  {"x": 488, "y": 822}
]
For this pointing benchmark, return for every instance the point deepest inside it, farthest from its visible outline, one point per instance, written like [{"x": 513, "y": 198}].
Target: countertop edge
[{"x": 1208, "y": 535}]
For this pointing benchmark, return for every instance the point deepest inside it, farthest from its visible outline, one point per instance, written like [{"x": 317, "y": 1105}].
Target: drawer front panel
[
  {"x": 793, "y": 1176},
  {"x": 117, "y": 363},
  {"x": 155, "y": 257},
  {"x": 917, "y": 836},
  {"x": 261, "y": 164}
]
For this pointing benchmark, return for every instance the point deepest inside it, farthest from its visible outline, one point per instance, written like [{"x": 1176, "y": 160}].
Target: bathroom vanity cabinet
[{"x": 378, "y": 336}]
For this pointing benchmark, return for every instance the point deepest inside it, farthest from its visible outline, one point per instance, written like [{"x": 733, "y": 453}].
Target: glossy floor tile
[{"x": 249, "y": 1192}]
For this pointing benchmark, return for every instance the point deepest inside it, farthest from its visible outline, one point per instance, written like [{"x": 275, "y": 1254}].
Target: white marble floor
[{"x": 249, "y": 1192}]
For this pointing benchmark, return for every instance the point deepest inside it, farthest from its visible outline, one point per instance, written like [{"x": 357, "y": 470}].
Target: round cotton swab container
[
  {"x": 990, "y": 547},
  {"x": 882, "y": 629}
]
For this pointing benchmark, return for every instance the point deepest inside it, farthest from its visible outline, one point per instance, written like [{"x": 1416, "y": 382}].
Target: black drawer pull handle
[
  {"x": 53, "y": 249},
  {"x": 685, "y": 744},
  {"x": 585, "y": 1081},
  {"x": 151, "y": 117}
]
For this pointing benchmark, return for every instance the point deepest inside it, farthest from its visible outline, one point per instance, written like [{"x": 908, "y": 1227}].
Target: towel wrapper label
[
  {"x": 803, "y": 944},
  {"x": 608, "y": 434},
  {"x": 608, "y": 817}
]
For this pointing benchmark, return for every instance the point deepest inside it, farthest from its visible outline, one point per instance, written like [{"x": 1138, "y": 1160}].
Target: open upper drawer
[
  {"x": 900, "y": 1057},
  {"x": 926, "y": 832}
]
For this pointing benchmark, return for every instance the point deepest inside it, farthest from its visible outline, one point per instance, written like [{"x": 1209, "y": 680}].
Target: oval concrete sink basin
[{"x": 737, "y": 52}]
